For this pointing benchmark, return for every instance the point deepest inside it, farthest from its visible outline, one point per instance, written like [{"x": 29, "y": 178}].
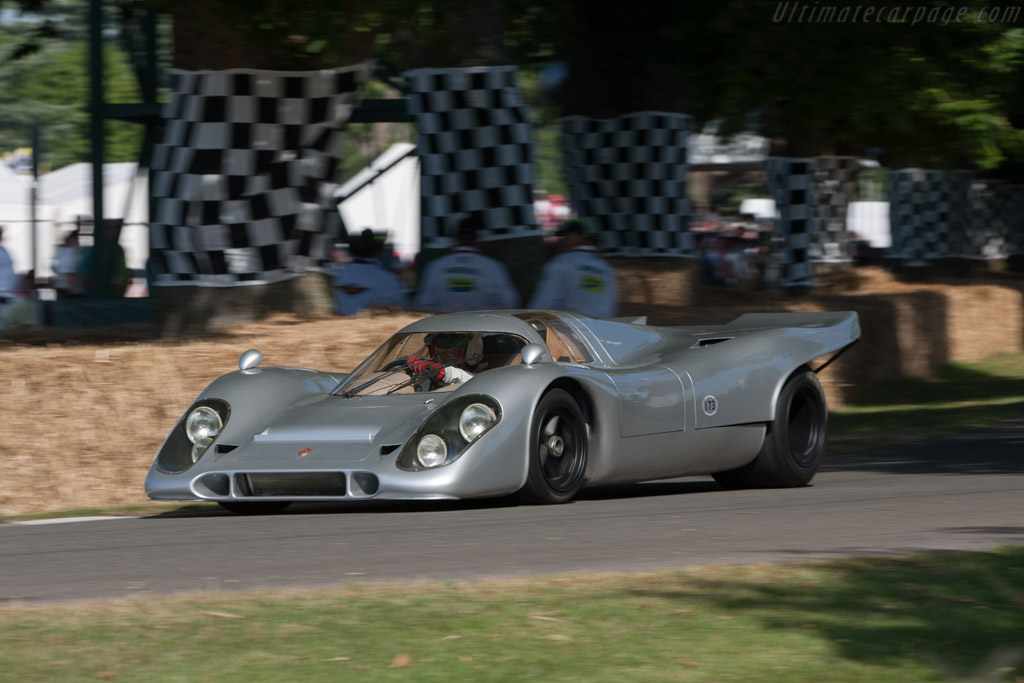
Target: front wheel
[
  {"x": 794, "y": 446},
  {"x": 263, "y": 507},
  {"x": 558, "y": 450}
]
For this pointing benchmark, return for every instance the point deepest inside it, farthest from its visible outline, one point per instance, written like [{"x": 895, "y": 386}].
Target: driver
[{"x": 452, "y": 357}]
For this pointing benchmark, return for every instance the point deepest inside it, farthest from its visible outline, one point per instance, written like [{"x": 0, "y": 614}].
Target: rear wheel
[
  {"x": 558, "y": 450},
  {"x": 262, "y": 507},
  {"x": 795, "y": 443}
]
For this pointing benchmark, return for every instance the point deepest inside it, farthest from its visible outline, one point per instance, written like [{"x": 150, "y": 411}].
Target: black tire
[
  {"x": 558, "y": 450},
  {"x": 794, "y": 445},
  {"x": 262, "y": 507}
]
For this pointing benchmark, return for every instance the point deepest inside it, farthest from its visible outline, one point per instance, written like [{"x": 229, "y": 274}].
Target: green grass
[
  {"x": 958, "y": 397},
  {"x": 955, "y": 616}
]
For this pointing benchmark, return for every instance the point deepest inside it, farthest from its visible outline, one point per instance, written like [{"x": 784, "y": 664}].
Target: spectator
[
  {"x": 577, "y": 279},
  {"x": 362, "y": 282},
  {"x": 67, "y": 280},
  {"x": 21, "y": 309},
  {"x": 7, "y": 277},
  {"x": 120, "y": 274},
  {"x": 465, "y": 279}
]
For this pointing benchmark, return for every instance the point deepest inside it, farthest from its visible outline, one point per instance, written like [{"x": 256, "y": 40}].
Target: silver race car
[{"x": 533, "y": 403}]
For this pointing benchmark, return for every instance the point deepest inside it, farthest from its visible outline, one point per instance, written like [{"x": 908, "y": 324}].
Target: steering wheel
[{"x": 399, "y": 364}]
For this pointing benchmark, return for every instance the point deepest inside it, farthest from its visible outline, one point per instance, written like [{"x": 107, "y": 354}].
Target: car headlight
[
  {"x": 446, "y": 434},
  {"x": 475, "y": 420},
  {"x": 195, "y": 432},
  {"x": 203, "y": 424},
  {"x": 431, "y": 451},
  {"x": 199, "y": 447}
]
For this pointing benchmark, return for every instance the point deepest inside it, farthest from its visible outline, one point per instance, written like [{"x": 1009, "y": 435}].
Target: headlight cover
[
  {"x": 195, "y": 432},
  {"x": 476, "y": 419},
  {"x": 446, "y": 434},
  {"x": 203, "y": 424},
  {"x": 431, "y": 451}
]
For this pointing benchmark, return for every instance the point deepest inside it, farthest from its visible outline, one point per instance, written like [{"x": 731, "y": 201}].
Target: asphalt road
[{"x": 962, "y": 493}]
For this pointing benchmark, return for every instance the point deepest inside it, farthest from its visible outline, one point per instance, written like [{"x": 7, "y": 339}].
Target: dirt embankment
[{"x": 83, "y": 413}]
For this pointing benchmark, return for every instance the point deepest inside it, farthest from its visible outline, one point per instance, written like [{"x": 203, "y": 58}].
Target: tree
[
  {"x": 48, "y": 85},
  {"x": 941, "y": 89}
]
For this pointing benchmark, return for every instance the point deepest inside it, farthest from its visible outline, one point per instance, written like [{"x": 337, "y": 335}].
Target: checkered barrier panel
[
  {"x": 476, "y": 152},
  {"x": 955, "y": 225},
  {"x": 836, "y": 187},
  {"x": 986, "y": 234},
  {"x": 627, "y": 176},
  {"x": 242, "y": 180},
  {"x": 1012, "y": 210},
  {"x": 792, "y": 183},
  {"x": 937, "y": 215}
]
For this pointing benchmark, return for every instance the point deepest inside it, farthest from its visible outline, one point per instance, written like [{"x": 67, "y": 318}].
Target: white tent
[
  {"x": 870, "y": 220},
  {"x": 62, "y": 195},
  {"x": 759, "y": 208},
  {"x": 69, "y": 191},
  {"x": 385, "y": 197},
  {"x": 16, "y": 218}
]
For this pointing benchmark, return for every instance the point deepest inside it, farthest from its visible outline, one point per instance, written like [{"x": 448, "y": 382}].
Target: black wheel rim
[
  {"x": 804, "y": 428},
  {"x": 561, "y": 448}
]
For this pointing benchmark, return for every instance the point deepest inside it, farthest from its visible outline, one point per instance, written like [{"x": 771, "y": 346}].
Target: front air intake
[{"x": 293, "y": 484}]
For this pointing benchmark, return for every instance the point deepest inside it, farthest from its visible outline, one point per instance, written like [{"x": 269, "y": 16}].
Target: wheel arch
[
  {"x": 777, "y": 392},
  {"x": 575, "y": 389},
  {"x": 587, "y": 403}
]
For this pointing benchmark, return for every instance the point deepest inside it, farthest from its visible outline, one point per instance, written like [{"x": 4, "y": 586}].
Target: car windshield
[{"x": 461, "y": 355}]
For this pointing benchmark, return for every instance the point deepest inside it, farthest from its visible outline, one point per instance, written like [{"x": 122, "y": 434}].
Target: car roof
[{"x": 475, "y": 321}]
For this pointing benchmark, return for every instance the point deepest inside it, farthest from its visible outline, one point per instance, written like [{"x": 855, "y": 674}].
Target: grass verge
[
  {"x": 921, "y": 618},
  {"x": 958, "y": 397}
]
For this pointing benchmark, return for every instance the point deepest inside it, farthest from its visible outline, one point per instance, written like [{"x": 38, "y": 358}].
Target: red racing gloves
[{"x": 423, "y": 366}]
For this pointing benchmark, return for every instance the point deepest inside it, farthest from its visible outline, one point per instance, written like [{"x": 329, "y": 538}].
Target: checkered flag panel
[
  {"x": 936, "y": 215},
  {"x": 1011, "y": 208},
  {"x": 627, "y": 176},
  {"x": 476, "y": 152},
  {"x": 792, "y": 182},
  {"x": 836, "y": 187},
  {"x": 243, "y": 177},
  {"x": 986, "y": 236}
]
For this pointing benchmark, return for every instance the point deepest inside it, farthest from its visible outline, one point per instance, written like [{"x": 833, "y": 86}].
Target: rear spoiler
[{"x": 638, "y": 320}]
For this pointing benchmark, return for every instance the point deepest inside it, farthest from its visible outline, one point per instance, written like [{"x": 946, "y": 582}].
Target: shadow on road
[
  {"x": 996, "y": 449},
  {"x": 649, "y": 489},
  {"x": 623, "y": 491}
]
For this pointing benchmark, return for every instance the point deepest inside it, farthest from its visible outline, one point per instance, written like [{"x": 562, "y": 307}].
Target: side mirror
[
  {"x": 532, "y": 353},
  {"x": 250, "y": 359}
]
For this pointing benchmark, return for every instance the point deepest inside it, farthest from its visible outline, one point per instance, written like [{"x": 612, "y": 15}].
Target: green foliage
[
  {"x": 547, "y": 135},
  {"x": 944, "y": 91},
  {"x": 958, "y": 397},
  {"x": 361, "y": 143},
  {"x": 727, "y": 200},
  {"x": 50, "y": 87}
]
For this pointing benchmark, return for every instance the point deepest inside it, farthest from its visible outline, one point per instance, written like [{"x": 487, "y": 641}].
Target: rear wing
[
  {"x": 846, "y": 320},
  {"x": 816, "y": 334}
]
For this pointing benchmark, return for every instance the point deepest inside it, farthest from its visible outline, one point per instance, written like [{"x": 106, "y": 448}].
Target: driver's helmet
[{"x": 460, "y": 345}]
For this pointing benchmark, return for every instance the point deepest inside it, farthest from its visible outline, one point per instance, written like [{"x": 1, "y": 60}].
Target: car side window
[{"x": 564, "y": 345}]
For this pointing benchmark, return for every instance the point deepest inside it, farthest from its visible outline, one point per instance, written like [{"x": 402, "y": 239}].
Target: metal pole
[
  {"x": 33, "y": 197},
  {"x": 100, "y": 268}
]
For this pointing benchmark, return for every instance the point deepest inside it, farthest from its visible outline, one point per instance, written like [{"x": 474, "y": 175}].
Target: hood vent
[
  {"x": 389, "y": 449},
  {"x": 710, "y": 341}
]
